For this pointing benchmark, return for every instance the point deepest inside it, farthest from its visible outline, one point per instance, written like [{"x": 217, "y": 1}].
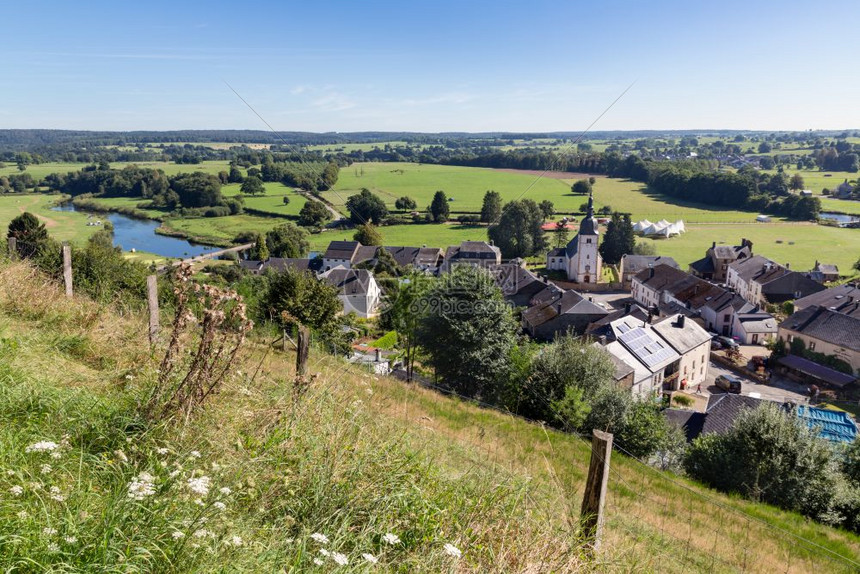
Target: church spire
[{"x": 590, "y": 212}]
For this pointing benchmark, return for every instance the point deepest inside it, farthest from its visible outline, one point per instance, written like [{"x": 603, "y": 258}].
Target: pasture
[
  {"x": 39, "y": 171},
  {"x": 62, "y": 225}
]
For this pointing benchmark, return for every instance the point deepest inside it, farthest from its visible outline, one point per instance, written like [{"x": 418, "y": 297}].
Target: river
[
  {"x": 839, "y": 217},
  {"x": 140, "y": 235}
]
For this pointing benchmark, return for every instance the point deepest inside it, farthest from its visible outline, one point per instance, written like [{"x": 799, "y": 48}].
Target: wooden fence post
[
  {"x": 594, "y": 498},
  {"x": 13, "y": 248},
  {"x": 152, "y": 300},
  {"x": 67, "y": 268},
  {"x": 302, "y": 347}
]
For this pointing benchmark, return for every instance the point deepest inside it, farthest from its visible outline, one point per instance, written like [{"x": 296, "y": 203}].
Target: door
[
  {"x": 755, "y": 339},
  {"x": 725, "y": 330}
]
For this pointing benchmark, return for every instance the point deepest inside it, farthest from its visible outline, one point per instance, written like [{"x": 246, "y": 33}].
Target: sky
[{"x": 529, "y": 65}]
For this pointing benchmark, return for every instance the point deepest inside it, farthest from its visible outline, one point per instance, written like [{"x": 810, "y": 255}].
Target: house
[
  {"x": 564, "y": 312},
  {"x": 357, "y": 290},
  {"x": 476, "y": 253},
  {"x": 719, "y": 415},
  {"x": 843, "y": 191},
  {"x": 714, "y": 265},
  {"x": 647, "y": 286},
  {"x": 580, "y": 260},
  {"x": 824, "y": 272},
  {"x": 601, "y": 327},
  {"x": 760, "y": 280},
  {"x": 843, "y": 299},
  {"x": 624, "y": 373},
  {"x": 633, "y": 264},
  {"x": 753, "y": 328},
  {"x": 346, "y": 254},
  {"x": 652, "y": 358},
  {"x": 281, "y": 264},
  {"x": 692, "y": 343},
  {"x": 825, "y": 331},
  {"x": 425, "y": 259},
  {"x": 520, "y": 286}
]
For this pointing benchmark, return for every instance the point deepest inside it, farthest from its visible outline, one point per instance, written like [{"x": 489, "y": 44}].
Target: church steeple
[
  {"x": 590, "y": 213},
  {"x": 589, "y": 224}
]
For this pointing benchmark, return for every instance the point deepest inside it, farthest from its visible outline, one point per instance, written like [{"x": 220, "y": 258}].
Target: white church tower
[{"x": 580, "y": 259}]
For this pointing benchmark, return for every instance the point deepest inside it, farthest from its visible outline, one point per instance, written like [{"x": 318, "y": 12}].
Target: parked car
[
  {"x": 716, "y": 345},
  {"x": 727, "y": 342},
  {"x": 729, "y": 383}
]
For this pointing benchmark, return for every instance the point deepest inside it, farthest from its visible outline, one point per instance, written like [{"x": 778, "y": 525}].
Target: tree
[
  {"x": 253, "y": 186},
  {"x": 796, "y": 182},
  {"x": 365, "y": 207},
  {"x": 766, "y": 456},
  {"x": 403, "y": 312},
  {"x": 618, "y": 239},
  {"x": 367, "y": 235},
  {"x": 235, "y": 175},
  {"x": 638, "y": 426},
  {"x": 286, "y": 200},
  {"x": 519, "y": 232},
  {"x": 561, "y": 233},
  {"x": 287, "y": 240},
  {"x": 566, "y": 363},
  {"x": 329, "y": 176},
  {"x": 197, "y": 189},
  {"x": 547, "y": 209},
  {"x": 260, "y": 249},
  {"x": 468, "y": 331},
  {"x": 29, "y": 232},
  {"x": 644, "y": 248},
  {"x": 439, "y": 209},
  {"x": 405, "y": 203},
  {"x": 764, "y": 147},
  {"x": 298, "y": 297},
  {"x": 491, "y": 210},
  {"x": 314, "y": 214},
  {"x": 581, "y": 187}
]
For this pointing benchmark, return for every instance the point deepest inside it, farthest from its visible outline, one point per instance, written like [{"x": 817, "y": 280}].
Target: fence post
[
  {"x": 152, "y": 300},
  {"x": 594, "y": 497},
  {"x": 67, "y": 268},
  {"x": 13, "y": 247},
  {"x": 304, "y": 340}
]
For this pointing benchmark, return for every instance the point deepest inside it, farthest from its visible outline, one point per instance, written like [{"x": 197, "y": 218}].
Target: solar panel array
[{"x": 646, "y": 348}]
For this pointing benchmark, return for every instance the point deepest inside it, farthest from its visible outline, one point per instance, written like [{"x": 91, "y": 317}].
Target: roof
[
  {"x": 757, "y": 267},
  {"x": 403, "y": 256},
  {"x": 724, "y": 408},
  {"x": 757, "y": 322},
  {"x": 827, "y": 268},
  {"x": 648, "y": 348},
  {"x": 635, "y": 310},
  {"x": 622, "y": 369},
  {"x": 844, "y": 299},
  {"x": 636, "y": 263},
  {"x": 514, "y": 279},
  {"x": 342, "y": 250},
  {"x": 473, "y": 250},
  {"x": 682, "y": 337},
  {"x": 690, "y": 422},
  {"x": 567, "y": 302},
  {"x": 703, "y": 265},
  {"x": 816, "y": 371},
  {"x": 556, "y": 252},
  {"x": 428, "y": 256},
  {"x": 349, "y": 281},
  {"x": 250, "y": 265},
  {"x": 826, "y": 325},
  {"x": 789, "y": 285},
  {"x": 589, "y": 223},
  {"x": 732, "y": 251},
  {"x": 640, "y": 371},
  {"x": 364, "y": 253},
  {"x": 663, "y": 275},
  {"x": 835, "y": 426}
]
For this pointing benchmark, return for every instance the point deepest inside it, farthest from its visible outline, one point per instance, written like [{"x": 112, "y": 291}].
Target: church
[{"x": 580, "y": 259}]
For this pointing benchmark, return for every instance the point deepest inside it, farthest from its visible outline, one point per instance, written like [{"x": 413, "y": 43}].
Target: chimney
[
  {"x": 590, "y": 299},
  {"x": 378, "y": 355},
  {"x": 650, "y": 272},
  {"x": 714, "y": 245},
  {"x": 558, "y": 308},
  {"x": 788, "y": 265},
  {"x": 602, "y": 340},
  {"x": 681, "y": 320},
  {"x": 627, "y": 307},
  {"x": 491, "y": 242}
]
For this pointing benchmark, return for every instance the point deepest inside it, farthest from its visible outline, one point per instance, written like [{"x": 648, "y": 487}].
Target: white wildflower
[
  {"x": 194, "y": 454},
  {"x": 45, "y": 469},
  {"x": 325, "y": 552},
  {"x": 53, "y": 547},
  {"x": 120, "y": 455},
  {"x": 199, "y": 485},
  {"x": 10, "y": 472},
  {"x": 452, "y": 550},
  {"x": 23, "y": 514},
  {"x": 318, "y": 562},
  {"x": 220, "y": 505},
  {"x": 161, "y": 450},
  {"x": 177, "y": 535},
  {"x": 17, "y": 490},
  {"x": 173, "y": 474},
  {"x": 56, "y": 494},
  {"x": 42, "y": 446},
  {"x": 70, "y": 539},
  {"x": 129, "y": 377},
  {"x": 201, "y": 533},
  {"x": 216, "y": 467},
  {"x": 234, "y": 541},
  {"x": 321, "y": 538},
  {"x": 225, "y": 491},
  {"x": 199, "y": 502},
  {"x": 141, "y": 486},
  {"x": 370, "y": 558},
  {"x": 390, "y": 538},
  {"x": 35, "y": 485},
  {"x": 48, "y": 531},
  {"x": 340, "y": 558},
  {"x": 162, "y": 464},
  {"x": 56, "y": 455}
]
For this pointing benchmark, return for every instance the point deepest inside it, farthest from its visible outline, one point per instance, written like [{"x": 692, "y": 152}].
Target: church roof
[{"x": 587, "y": 227}]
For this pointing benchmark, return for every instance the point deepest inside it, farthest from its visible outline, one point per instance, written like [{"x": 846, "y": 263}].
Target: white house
[
  {"x": 358, "y": 291},
  {"x": 580, "y": 260}
]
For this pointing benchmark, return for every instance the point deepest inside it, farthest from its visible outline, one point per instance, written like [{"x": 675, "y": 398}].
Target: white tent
[
  {"x": 680, "y": 226},
  {"x": 663, "y": 223},
  {"x": 640, "y": 226}
]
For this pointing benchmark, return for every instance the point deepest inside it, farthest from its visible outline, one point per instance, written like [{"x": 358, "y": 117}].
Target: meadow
[
  {"x": 38, "y": 171},
  {"x": 62, "y": 225}
]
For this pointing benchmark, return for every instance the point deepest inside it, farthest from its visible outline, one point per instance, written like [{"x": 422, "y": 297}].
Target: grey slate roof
[
  {"x": 757, "y": 322},
  {"x": 349, "y": 281},
  {"x": 682, "y": 338},
  {"x": 690, "y": 422},
  {"x": 724, "y": 408},
  {"x": 636, "y": 263},
  {"x": 517, "y": 283},
  {"x": 568, "y": 302},
  {"x": 342, "y": 250},
  {"x": 826, "y": 325},
  {"x": 757, "y": 267},
  {"x": 844, "y": 299},
  {"x": 816, "y": 371},
  {"x": 663, "y": 275},
  {"x": 703, "y": 266}
]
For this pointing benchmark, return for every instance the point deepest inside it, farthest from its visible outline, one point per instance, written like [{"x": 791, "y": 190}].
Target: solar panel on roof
[{"x": 648, "y": 349}]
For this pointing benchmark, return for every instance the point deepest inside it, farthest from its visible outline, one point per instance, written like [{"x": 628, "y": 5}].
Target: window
[
  {"x": 726, "y": 318},
  {"x": 812, "y": 345},
  {"x": 588, "y": 240},
  {"x": 790, "y": 338}
]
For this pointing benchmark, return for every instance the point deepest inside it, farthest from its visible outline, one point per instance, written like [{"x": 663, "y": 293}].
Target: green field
[
  {"x": 773, "y": 240},
  {"x": 467, "y": 186},
  {"x": 272, "y": 201},
  {"x": 62, "y": 225},
  {"x": 38, "y": 171}
]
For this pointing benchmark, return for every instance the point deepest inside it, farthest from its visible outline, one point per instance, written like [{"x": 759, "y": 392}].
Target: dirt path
[{"x": 49, "y": 223}]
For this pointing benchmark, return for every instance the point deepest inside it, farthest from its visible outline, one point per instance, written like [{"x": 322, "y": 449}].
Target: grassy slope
[{"x": 352, "y": 460}]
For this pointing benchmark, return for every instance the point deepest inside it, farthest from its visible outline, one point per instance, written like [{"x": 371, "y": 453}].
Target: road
[{"x": 777, "y": 389}]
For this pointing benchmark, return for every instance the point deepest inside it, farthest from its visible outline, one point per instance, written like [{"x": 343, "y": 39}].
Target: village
[{"x": 733, "y": 331}]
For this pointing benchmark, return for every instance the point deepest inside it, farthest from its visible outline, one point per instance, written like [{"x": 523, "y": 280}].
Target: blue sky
[{"x": 431, "y": 66}]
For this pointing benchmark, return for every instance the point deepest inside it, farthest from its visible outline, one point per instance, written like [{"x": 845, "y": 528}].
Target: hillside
[{"x": 353, "y": 457}]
